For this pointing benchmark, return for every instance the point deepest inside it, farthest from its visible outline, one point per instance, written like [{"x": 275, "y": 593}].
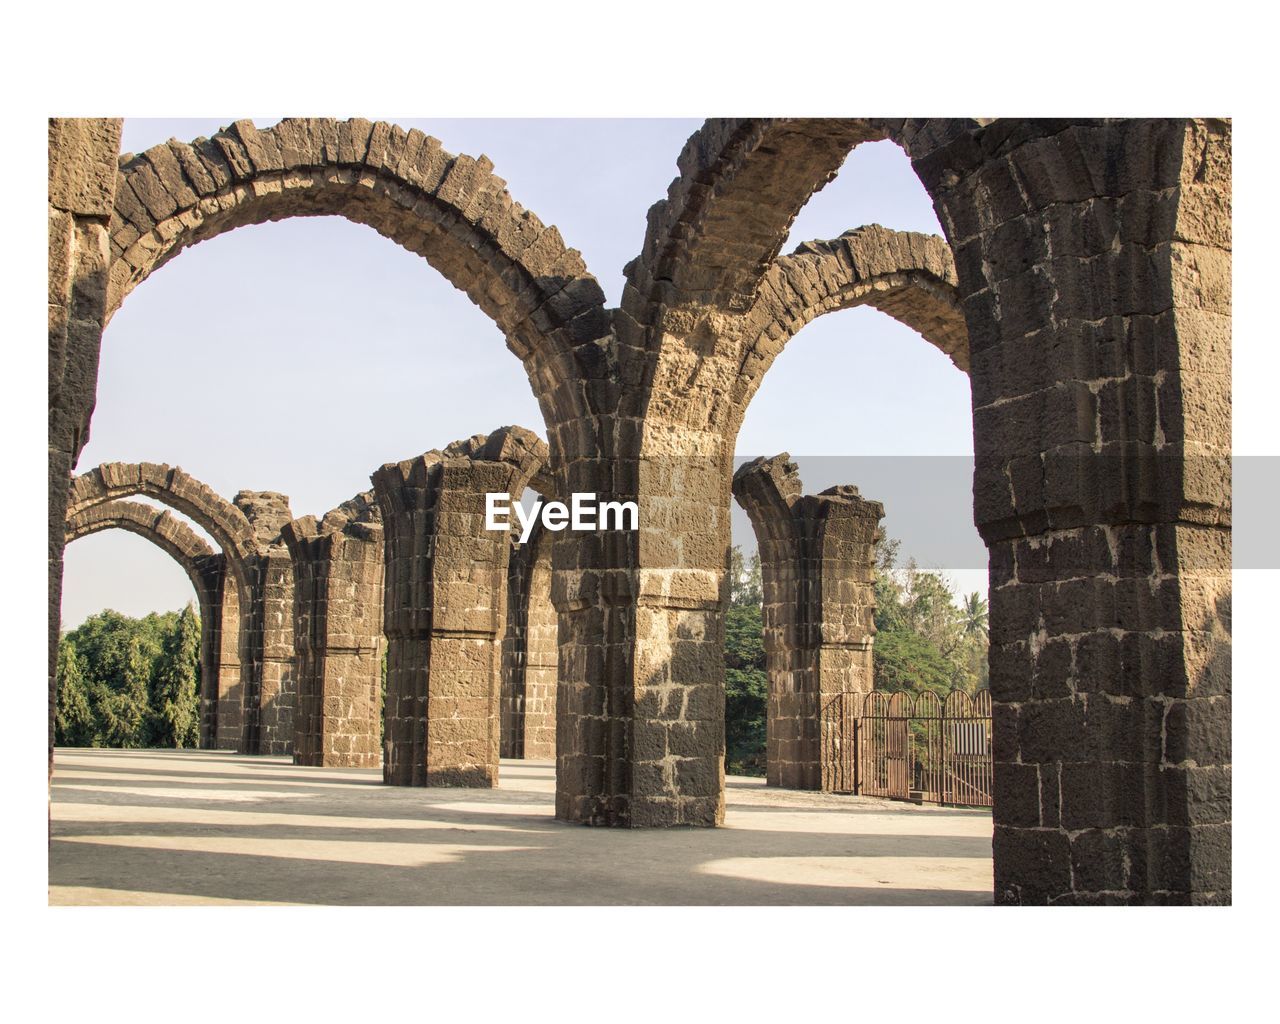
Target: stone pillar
[
  {"x": 213, "y": 573},
  {"x": 446, "y": 579},
  {"x": 337, "y": 568},
  {"x": 268, "y": 641},
  {"x": 228, "y": 732},
  {"x": 511, "y": 700},
  {"x": 817, "y": 557},
  {"x": 530, "y": 653},
  {"x": 541, "y": 660},
  {"x": 1094, "y": 267},
  {"x": 83, "y": 156}
]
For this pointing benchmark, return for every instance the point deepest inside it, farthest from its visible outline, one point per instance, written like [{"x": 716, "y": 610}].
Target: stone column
[
  {"x": 213, "y": 573},
  {"x": 83, "y": 156},
  {"x": 338, "y": 601},
  {"x": 229, "y": 696},
  {"x": 1094, "y": 266},
  {"x": 530, "y": 653},
  {"x": 446, "y": 579},
  {"x": 511, "y": 701},
  {"x": 817, "y": 557},
  {"x": 268, "y": 651},
  {"x": 541, "y": 657}
]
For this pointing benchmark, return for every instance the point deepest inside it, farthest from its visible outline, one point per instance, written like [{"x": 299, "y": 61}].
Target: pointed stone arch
[
  {"x": 741, "y": 184},
  {"x": 205, "y": 568},
  {"x": 906, "y": 275},
  {"x": 179, "y": 490},
  {"x": 260, "y": 656},
  {"x": 451, "y": 210}
]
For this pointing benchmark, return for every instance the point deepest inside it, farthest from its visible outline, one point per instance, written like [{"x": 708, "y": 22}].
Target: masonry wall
[
  {"x": 530, "y": 653},
  {"x": 338, "y": 607},
  {"x": 446, "y": 604},
  {"x": 269, "y": 689},
  {"x": 817, "y": 559},
  {"x": 1094, "y": 262},
  {"x": 511, "y": 709},
  {"x": 82, "y": 184},
  {"x": 1084, "y": 284}
]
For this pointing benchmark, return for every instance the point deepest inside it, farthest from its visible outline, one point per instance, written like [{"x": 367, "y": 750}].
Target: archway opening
[
  {"x": 315, "y": 422},
  {"x": 131, "y": 675},
  {"x": 855, "y": 564}
]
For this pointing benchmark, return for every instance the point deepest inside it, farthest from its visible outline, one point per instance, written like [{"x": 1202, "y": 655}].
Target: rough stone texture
[
  {"x": 255, "y": 662},
  {"x": 205, "y": 568},
  {"x": 271, "y": 690},
  {"x": 1091, "y": 265},
  {"x": 82, "y": 182},
  {"x": 530, "y": 653},
  {"x": 817, "y": 558},
  {"x": 1099, "y": 320},
  {"x": 446, "y": 604},
  {"x": 1090, "y": 260},
  {"x": 452, "y": 210},
  {"x": 228, "y": 730},
  {"x": 337, "y": 634}
]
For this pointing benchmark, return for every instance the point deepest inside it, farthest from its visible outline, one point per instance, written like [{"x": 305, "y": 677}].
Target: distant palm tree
[{"x": 975, "y": 615}]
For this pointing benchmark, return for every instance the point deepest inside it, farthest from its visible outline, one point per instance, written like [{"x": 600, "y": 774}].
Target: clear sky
[{"x": 299, "y": 356}]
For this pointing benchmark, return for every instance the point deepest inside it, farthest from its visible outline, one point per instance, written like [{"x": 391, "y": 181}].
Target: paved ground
[{"x": 182, "y": 827}]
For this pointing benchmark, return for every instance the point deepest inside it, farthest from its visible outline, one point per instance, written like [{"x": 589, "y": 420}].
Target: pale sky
[{"x": 301, "y": 355}]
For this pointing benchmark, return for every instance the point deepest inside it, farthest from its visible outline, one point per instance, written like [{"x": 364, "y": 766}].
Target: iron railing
[{"x": 906, "y": 746}]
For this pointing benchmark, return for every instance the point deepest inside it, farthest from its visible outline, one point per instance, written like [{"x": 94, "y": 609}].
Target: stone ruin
[
  {"x": 817, "y": 560},
  {"x": 1083, "y": 285}
]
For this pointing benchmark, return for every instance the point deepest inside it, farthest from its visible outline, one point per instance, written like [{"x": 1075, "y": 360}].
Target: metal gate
[{"x": 910, "y": 747}]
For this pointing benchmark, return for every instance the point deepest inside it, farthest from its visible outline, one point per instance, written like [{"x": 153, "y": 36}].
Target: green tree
[
  {"x": 746, "y": 691},
  {"x": 924, "y": 639},
  {"x": 975, "y": 615},
  {"x": 118, "y": 660},
  {"x": 746, "y": 681},
  {"x": 124, "y": 703},
  {"x": 905, "y": 660},
  {"x": 73, "y": 721},
  {"x": 175, "y": 693}
]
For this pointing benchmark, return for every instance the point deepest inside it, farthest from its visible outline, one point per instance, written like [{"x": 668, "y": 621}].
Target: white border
[{"x": 659, "y": 58}]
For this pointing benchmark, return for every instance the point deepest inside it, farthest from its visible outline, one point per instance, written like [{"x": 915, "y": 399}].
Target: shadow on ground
[{"x": 178, "y": 827}]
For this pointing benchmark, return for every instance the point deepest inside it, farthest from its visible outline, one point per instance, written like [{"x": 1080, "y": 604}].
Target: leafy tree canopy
[
  {"x": 125, "y": 682},
  {"x": 925, "y": 640}
]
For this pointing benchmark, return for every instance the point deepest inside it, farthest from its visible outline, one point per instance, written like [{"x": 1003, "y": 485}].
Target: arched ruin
[
  {"x": 206, "y": 569},
  {"x": 530, "y": 653},
  {"x": 1089, "y": 267},
  {"x": 338, "y": 637},
  {"x": 255, "y": 705}
]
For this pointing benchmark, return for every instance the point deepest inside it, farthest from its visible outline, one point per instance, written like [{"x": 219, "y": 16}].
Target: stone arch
[
  {"x": 205, "y": 568},
  {"x": 177, "y": 489},
  {"x": 246, "y": 558},
  {"x": 741, "y": 184},
  {"x": 160, "y": 526},
  {"x": 817, "y": 554},
  {"x": 452, "y": 210},
  {"x": 1092, "y": 262},
  {"x": 904, "y": 274}
]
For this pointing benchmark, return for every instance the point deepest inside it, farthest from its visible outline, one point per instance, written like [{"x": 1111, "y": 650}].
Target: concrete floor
[{"x": 198, "y": 827}]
